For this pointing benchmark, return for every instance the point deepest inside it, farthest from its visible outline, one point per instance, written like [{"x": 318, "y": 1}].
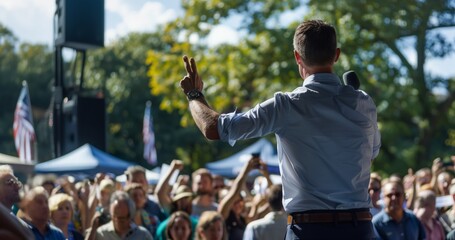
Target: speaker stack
[{"x": 78, "y": 24}]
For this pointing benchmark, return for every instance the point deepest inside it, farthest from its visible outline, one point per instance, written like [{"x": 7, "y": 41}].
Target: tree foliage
[
  {"x": 374, "y": 36},
  {"x": 18, "y": 62},
  {"x": 378, "y": 40},
  {"x": 378, "y": 37}
]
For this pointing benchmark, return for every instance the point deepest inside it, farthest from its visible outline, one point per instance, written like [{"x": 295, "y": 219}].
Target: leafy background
[{"x": 415, "y": 106}]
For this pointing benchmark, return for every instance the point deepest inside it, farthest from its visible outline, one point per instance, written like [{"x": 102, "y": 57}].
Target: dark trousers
[{"x": 345, "y": 230}]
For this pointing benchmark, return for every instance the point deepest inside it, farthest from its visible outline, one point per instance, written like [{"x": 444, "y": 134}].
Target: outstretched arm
[
  {"x": 163, "y": 190},
  {"x": 227, "y": 202},
  {"x": 204, "y": 116}
]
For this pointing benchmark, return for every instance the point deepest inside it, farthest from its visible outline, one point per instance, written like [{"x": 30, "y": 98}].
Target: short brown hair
[
  {"x": 206, "y": 220},
  {"x": 316, "y": 42},
  {"x": 202, "y": 172},
  {"x": 275, "y": 197}
]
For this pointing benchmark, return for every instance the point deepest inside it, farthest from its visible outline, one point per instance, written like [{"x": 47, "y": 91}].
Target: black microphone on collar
[{"x": 350, "y": 78}]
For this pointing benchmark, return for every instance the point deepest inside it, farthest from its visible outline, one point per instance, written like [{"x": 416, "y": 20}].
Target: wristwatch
[{"x": 194, "y": 94}]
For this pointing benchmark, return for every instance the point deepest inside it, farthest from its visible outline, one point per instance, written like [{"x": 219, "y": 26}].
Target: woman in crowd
[
  {"x": 179, "y": 226},
  {"x": 61, "y": 211},
  {"x": 211, "y": 227}
]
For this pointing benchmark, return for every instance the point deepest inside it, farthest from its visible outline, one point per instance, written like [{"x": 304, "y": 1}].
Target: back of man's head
[
  {"x": 316, "y": 43},
  {"x": 275, "y": 197}
]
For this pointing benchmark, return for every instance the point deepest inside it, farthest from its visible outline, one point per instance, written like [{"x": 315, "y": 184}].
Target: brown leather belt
[{"x": 299, "y": 218}]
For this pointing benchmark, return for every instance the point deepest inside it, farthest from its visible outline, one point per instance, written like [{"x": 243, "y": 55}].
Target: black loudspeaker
[
  {"x": 79, "y": 24},
  {"x": 84, "y": 121}
]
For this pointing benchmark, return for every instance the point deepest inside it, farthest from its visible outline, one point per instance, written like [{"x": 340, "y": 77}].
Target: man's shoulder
[
  {"x": 382, "y": 216},
  {"x": 271, "y": 219},
  {"x": 55, "y": 233},
  {"x": 259, "y": 223},
  {"x": 108, "y": 227},
  {"x": 411, "y": 217},
  {"x": 141, "y": 232}
]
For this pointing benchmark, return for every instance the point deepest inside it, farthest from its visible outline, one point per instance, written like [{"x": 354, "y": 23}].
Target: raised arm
[
  {"x": 163, "y": 189},
  {"x": 226, "y": 204},
  {"x": 204, "y": 116}
]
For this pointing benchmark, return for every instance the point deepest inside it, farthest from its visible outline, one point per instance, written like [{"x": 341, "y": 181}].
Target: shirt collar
[{"x": 322, "y": 78}]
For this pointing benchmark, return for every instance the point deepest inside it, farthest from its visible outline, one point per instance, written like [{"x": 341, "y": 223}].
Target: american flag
[
  {"x": 24, "y": 134},
  {"x": 149, "y": 136}
]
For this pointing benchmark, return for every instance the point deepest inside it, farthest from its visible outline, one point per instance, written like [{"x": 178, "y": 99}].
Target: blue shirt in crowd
[
  {"x": 52, "y": 233},
  {"x": 408, "y": 228}
]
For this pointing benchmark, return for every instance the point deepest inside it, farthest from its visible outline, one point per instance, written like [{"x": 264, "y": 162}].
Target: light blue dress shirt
[{"x": 327, "y": 136}]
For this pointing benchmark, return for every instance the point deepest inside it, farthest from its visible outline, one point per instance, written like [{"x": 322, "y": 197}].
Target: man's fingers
[
  {"x": 187, "y": 65},
  {"x": 193, "y": 66},
  {"x": 184, "y": 81}
]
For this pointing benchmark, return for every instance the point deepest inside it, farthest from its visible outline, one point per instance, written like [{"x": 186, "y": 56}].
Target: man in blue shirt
[
  {"x": 327, "y": 136},
  {"x": 394, "y": 222},
  {"x": 36, "y": 209}
]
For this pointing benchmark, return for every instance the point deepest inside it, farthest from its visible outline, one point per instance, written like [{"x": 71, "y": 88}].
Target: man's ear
[
  {"x": 337, "y": 54},
  {"x": 297, "y": 57}
]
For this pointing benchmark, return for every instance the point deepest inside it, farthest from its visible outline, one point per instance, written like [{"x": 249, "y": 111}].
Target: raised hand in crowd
[
  {"x": 95, "y": 223},
  {"x": 409, "y": 183},
  {"x": 436, "y": 168},
  {"x": 163, "y": 189},
  {"x": 233, "y": 204}
]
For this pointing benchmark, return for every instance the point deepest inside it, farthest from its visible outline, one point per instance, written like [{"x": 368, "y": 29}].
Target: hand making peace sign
[{"x": 192, "y": 80}]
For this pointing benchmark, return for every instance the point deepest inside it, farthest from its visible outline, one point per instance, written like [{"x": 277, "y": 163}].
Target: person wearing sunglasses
[
  {"x": 395, "y": 222},
  {"x": 9, "y": 195},
  {"x": 9, "y": 187},
  {"x": 374, "y": 189}
]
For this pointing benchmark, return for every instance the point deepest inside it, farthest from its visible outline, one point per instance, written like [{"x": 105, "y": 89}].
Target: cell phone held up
[{"x": 256, "y": 155}]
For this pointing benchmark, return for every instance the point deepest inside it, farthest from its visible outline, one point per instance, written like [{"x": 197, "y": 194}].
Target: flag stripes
[
  {"x": 24, "y": 133},
  {"x": 149, "y": 136}
]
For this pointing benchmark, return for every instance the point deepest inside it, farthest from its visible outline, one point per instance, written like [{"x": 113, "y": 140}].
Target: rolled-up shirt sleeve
[
  {"x": 224, "y": 121},
  {"x": 259, "y": 121}
]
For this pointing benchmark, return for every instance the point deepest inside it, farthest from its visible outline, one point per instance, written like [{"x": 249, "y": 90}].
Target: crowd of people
[
  {"x": 406, "y": 207},
  {"x": 203, "y": 206},
  {"x": 327, "y": 138},
  {"x": 206, "y": 206}
]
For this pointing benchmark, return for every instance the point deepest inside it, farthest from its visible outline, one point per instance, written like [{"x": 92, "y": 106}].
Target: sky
[{"x": 31, "y": 21}]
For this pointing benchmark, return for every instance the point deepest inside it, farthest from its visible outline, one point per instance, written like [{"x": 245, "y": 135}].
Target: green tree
[
  {"x": 19, "y": 62},
  {"x": 9, "y": 86},
  {"x": 377, "y": 37},
  {"x": 36, "y": 67},
  {"x": 235, "y": 76},
  {"x": 121, "y": 69},
  {"x": 373, "y": 35}
]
